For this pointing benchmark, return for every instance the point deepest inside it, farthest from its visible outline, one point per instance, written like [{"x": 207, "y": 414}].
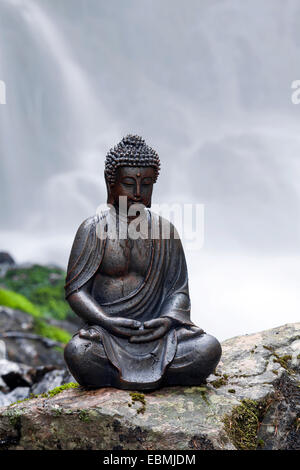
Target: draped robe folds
[{"x": 163, "y": 293}]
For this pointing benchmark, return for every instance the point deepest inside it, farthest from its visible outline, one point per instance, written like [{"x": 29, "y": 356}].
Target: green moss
[
  {"x": 57, "y": 390},
  {"x": 198, "y": 389},
  {"x": 52, "y": 332},
  {"x": 204, "y": 395},
  {"x": 268, "y": 348},
  {"x": 231, "y": 390},
  {"x": 84, "y": 416},
  {"x": 58, "y": 411},
  {"x": 18, "y": 302},
  {"x": 27, "y": 280},
  {"x": 49, "y": 394},
  {"x": 260, "y": 443},
  {"x": 14, "y": 417},
  {"x": 281, "y": 360},
  {"x": 15, "y": 421},
  {"x": 138, "y": 397},
  {"x": 51, "y": 301},
  {"x": 19, "y": 401},
  {"x": 242, "y": 424},
  {"x": 275, "y": 371},
  {"x": 41, "y": 285},
  {"x": 31, "y": 396},
  {"x": 223, "y": 380}
]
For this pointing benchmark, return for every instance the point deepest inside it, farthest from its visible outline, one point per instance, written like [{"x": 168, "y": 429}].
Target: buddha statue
[{"x": 132, "y": 291}]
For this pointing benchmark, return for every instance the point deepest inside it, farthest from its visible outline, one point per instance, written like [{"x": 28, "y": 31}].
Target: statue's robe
[{"x": 163, "y": 293}]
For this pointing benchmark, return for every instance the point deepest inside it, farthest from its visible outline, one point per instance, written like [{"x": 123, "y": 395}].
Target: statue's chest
[{"x": 122, "y": 257}]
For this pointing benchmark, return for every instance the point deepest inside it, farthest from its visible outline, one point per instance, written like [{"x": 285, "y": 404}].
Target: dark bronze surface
[{"x": 133, "y": 293}]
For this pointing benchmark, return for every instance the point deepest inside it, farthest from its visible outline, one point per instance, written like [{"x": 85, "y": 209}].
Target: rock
[
  {"x": 14, "y": 374},
  {"x": 251, "y": 402},
  {"x": 27, "y": 360},
  {"x": 2, "y": 350},
  {"x": 39, "y": 372},
  {"x": 43, "y": 286},
  {"x": 4, "y": 401},
  {"x": 71, "y": 326},
  {"x": 252, "y": 364},
  {"x": 6, "y": 262},
  {"x": 51, "y": 380},
  {"x": 18, "y": 381},
  {"x": 23, "y": 345},
  {"x": 19, "y": 393},
  {"x": 14, "y": 320},
  {"x": 33, "y": 352},
  {"x": 3, "y": 387},
  {"x": 5, "y": 258}
]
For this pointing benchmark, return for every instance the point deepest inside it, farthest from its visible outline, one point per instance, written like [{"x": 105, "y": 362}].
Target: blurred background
[{"x": 207, "y": 83}]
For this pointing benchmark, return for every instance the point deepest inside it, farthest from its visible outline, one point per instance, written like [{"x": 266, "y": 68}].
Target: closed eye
[
  {"x": 128, "y": 181},
  {"x": 147, "y": 181}
]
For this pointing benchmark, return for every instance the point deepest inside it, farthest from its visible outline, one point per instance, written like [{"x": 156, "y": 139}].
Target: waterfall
[{"x": 86, "y": 123}]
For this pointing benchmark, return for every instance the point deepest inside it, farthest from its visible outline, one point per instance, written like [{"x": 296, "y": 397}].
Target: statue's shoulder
[
  {"x": 91, "y": 223},
  {"x": 166, "y": 226}
]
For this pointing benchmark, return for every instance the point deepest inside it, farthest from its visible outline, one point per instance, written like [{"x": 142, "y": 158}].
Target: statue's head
[{"x": 131, "y": 169}]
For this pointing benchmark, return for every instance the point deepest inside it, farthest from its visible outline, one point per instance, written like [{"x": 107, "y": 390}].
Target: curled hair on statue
[
  {"x": 110, "y": 199},
  {"x": 131, "y": 151}
]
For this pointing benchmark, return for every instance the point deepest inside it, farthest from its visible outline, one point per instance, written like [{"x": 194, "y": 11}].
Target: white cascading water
[
  {"x": 208, "y": 85},
  {"x": 85, "y": 116}
]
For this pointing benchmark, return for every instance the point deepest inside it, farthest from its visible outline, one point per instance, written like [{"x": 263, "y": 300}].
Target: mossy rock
[
  {"x": 55, "y": 333},
  {"x": 261, "y": 414},
  {"x": 41, "y": 327},
  {"x": 42, "y": 286},
  {"x": 243, "y": 423},
  {"x": 18, "y": 302}
]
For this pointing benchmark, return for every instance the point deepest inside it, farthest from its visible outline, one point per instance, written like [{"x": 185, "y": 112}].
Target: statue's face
[{"x": 136, "y": 183}]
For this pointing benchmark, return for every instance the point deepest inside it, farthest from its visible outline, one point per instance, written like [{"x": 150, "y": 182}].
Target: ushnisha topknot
[{"x": 131, "y": 151}]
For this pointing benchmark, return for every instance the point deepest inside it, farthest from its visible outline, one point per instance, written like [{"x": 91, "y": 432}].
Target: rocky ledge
[{"x": 252, "y": 402}]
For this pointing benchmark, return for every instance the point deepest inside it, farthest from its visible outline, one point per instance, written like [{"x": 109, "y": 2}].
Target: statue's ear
[{"x": 110, "y": 199}]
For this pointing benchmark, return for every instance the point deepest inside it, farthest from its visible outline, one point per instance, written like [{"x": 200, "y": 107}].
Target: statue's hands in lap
[
  {"x": 153, "y": 329},
  {"x": 122, "y": 326},
  {"x": 118, "y": 326}
]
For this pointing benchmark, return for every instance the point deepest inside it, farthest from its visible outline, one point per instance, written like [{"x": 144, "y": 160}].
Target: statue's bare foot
[{"x": 91, "y": 333}]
